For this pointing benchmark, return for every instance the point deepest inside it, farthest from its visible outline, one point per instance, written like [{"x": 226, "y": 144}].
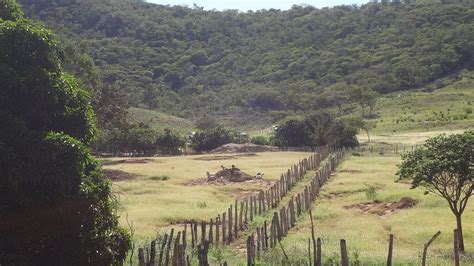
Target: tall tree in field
[
  {"x": 55, "y": 207},
  {"x": 444, "y": 165}
]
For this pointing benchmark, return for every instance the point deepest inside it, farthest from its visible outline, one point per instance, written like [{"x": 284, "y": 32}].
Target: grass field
[
  {"x": 160, "y": 195},
  {"x": 367, "y": 234},
  {"x": 451, "y": 107},
  {"x": 153, "y": 203}
]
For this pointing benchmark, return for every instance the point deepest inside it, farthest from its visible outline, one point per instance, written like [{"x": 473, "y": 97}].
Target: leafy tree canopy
[
  {"x": 190, "y": 62},
  {"x": 55, "y": 206},
  {"x": 444, "y": 165}
]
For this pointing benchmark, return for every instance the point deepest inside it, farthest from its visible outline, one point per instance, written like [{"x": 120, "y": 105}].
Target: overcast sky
[{"x": 245, "y": 5}]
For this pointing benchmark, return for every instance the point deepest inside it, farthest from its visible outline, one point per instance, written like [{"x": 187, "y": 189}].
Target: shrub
[
  {"x": 209, "y": 139},
  {"x": 370, "y": 192},
  {"x": 260, "y": 140}
]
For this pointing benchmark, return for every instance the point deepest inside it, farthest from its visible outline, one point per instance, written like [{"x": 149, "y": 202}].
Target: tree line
[{"x": 186, "y": 61}]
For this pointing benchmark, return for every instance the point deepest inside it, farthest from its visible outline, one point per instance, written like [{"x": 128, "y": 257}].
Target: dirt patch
[
  {"x": 240, "y": 148},
  {"x": 351, "y": 171},
  {"x": 383, "y": 208},
  {"x": 242, "y": 194},
  {"x": 224, "y": 157},
  {"x": 223, "y": 182},
  {"x": 333, "y": 195},
  {"x": 117, "y": 175},
  {"x": 129, "y": 161}
]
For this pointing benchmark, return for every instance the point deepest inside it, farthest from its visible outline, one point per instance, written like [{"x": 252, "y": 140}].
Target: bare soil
[
  {"x": 240, "y": 148},
  {"x": 384, "y": 208},
  {"x": 130, "y": 161},
  {"x": 224, "y": 157},
  {"x": 117, "y": 175},
  {"x": 223, "y": 182}
]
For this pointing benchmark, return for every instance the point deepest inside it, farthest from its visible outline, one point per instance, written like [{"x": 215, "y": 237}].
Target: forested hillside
[{"x": 188, "y": 61}]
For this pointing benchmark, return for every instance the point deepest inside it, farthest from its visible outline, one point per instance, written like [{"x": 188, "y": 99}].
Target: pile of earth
[
  {"x": 117, "y": 175},
  {"x": 225, "y": 157},
  {"x": 244, "y": 148},
  {"x": 129, "y": 161},
  {"x": 384, "y": 208}
]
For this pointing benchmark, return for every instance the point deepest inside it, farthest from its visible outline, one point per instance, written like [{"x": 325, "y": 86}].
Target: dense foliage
[
  {"x": 315, "y": 131},
  {"x": 444, "y": 165},
  {"x": 55, "y": 206},
  {"x": 211, "y": 138},
  {"x": 186, "y": 61}
]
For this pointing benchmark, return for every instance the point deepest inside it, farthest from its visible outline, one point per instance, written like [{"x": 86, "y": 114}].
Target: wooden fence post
[
  {"x": 390, "y": 250},
  {"x": 168, "y": 247},
  {"x": 184, "y": 235},
  {"x": 218, "y": 221},
  {"x": 344, "y": 257},
  {"x": 246, "y": 211},
  {"x": 203, "y": 249},
  {"x": 265, "y": 234},
  {"x": 193, "y": 240},
  {"x": 141, "y": 257},
  {"x": 236, "y": 220},
  {"x": 203, "y": 231},
  {"x": 241, "y": 224},
  {"x": 224, "y": 231},
  {"x": 255, "y": 205},
  {"x": 229, "y": 239},
  {"x": 152, "y": 253},
  {"x": 210, "y": 231},
  {"x": 313, "y": 237},
  {"x": 250, "y": 251},
  {"x": 318, "y": 258},
  {"x": 309, "y": 252},
  {"x": 162, "y": 249},
  {"x": 195, "y": 224},
  {"x": 251, "y": 208},
  {"x": 426, "y": 246},
  {"x": 180, "y": 256}
]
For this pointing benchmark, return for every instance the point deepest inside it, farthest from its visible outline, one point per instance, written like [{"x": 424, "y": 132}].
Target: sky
[{"x": 245, "y": 5}]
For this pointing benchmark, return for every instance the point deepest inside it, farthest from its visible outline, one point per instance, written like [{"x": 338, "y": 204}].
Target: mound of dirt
[
  {"x": 223, "y": 182},
  {"x": 224, "y": 157},
  {"x": 241, "y": 148},
  {"x": 117, "y": 175},
  {"x": 383, "y": 208}
]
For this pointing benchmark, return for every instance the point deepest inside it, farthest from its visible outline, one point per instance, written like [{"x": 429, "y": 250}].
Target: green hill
[
  {"x": 188, "y": 62},
  {"x": 159, "y": 121}
]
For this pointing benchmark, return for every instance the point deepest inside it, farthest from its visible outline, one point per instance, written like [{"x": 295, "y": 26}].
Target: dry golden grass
[{"x": 152, "y": 203}]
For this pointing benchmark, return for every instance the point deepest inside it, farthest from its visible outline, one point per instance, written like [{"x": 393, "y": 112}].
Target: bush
[
  {"x": 317, "y": 130},
  {"x": 260, "y": 140},
  {"x": 210, "y": 139},
  {"x": 170, "y": 143}
]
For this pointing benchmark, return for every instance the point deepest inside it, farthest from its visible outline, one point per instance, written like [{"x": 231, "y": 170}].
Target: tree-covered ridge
[{"x": 183, "y": 60}]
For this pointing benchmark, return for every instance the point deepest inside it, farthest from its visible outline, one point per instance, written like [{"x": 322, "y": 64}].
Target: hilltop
[{"x": 188, "y": 62}]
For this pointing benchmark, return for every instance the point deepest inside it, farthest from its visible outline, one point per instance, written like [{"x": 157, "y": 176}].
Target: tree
[
  {"x": 444, "y": 166},
  {"x": 367, "y": 98},
  {"x": 360, "y": 123},
  {"x": 212, "y": 138},
  {"x": 294, "y": 133},
  {"x": 55, "y": 206},
  {"x": 317, "y": 130},
  {"x": 170, "y": 143}
]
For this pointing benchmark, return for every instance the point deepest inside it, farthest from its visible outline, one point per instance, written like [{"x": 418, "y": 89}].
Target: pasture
[{"x": 163, "y": 193}]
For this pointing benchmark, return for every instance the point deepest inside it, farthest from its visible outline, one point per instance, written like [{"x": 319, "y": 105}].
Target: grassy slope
[
  {"x": 160, "y": 121},
  {"x": 451, "y": 107}
]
